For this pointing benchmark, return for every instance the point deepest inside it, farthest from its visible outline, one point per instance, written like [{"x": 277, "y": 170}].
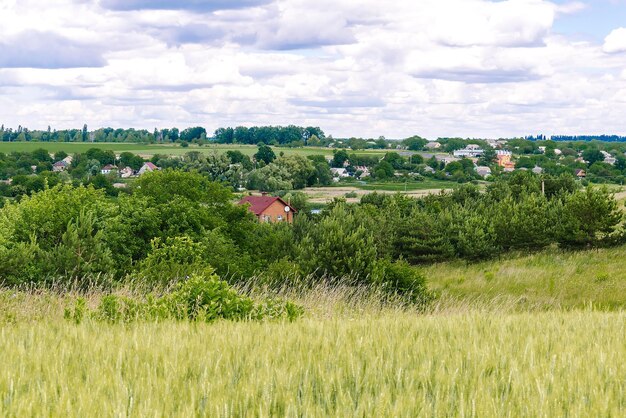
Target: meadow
[
  {"x": 551, "y": 279},
  {"x": 166, "y": 149},
  {"x": 550, "y": 345}
]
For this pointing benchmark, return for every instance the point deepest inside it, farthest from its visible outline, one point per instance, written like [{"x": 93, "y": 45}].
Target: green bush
[
  {"x": 199, "y": 298},
  {"x": 402, "y": 278}
]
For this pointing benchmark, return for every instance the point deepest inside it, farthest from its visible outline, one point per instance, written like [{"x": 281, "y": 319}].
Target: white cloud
[
  {"x": 430, "y": 67},
  {"x": 615, "y": 42}
]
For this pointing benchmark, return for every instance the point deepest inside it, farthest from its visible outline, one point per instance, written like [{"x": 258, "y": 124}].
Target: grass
[
  {"x": 483, "y": 365},
  {"x": 530, "y": 335},
  {"x": 168, "y": 149},
  {"x": 427, "y": 184},
  {"x": 552, "y": 279}
]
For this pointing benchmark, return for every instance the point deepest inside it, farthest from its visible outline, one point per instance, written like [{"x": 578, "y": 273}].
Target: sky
[{"x": 435, "y": 68}]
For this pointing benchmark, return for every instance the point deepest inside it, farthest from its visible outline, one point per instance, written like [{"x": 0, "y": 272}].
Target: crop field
[
  {"x": 148, "y": 150},
  {"x": 532, "y": 344},
  {"x": 482, "y": 365}
]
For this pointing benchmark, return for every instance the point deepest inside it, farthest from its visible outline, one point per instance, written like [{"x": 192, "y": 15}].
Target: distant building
[
  {"x": 107, "y": 169},
  {"x": 608, "y": 158},
  {"x": 504, "y": 159},
  {"x": 269, "y": 208},
  {"x": 483, "y": 171},
  {"x": 148, "y": 168},
  {"x": 59, "y": 166},
  {"x": 447, "y": 159},
  {"x": 364, "y": 171},
  {"x": 126, "y": 172},
  {"x": 339, "y": 173},
  {"x": 580, "y": 173},
  {"x": 432, "y": 145},
  {"x": 472, "y": 150},
  {"x": 537, "y": 170}
]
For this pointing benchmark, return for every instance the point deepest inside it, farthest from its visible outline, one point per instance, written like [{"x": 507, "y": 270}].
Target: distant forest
[
  {"x": 273, "y": 135},
  {"x": 574, "y": 138}
]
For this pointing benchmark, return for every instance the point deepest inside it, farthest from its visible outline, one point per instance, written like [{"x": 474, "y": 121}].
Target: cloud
[
  {"x": 478, "y": 75},
  {"x": 615, "y": 42},
  {"x": 428, "y": 67},
  {"x": 33, "y": 49},
  {"x": 190, "y": 5},
  {"x": 346, "y": 102}
]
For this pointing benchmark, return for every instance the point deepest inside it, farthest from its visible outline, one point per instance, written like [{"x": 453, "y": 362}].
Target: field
[
  {"x": 149, "y": 150},
  {"x": 414, "y": 189},
  {"x": 482, "y": 365},
  {"x": 535, "y": 335},
  {"x": 551, "y": 279}
]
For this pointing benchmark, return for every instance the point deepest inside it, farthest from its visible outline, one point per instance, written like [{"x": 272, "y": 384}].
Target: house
[
  {"x": 580, "y": 173},
  {"x": 504, "y": 159},
  {"x": 557, "y": 151},
  {"x": 269, "y": 208},
  {"x": 60, "y": 166},
  {"x": 148, "y": 168},
  {"x": 68, "y": 159},
  {"x": 362, "y": 171},
  {"x": 483, "y": 171},
  {"x": 608, "y": 158},
  {"x": 432, "y": 145},
  {"x": 107, "y": 169},
  {"x": 542, "y": 150},
  {"x": 428, "y": 170},
  {"x": 472, "y": 150},
  {"x": 537, "y": 170},
  {"x": 339, "y": 173},
  {"x": 446, "y": 159},
  {"x": 126, "y": 172}
]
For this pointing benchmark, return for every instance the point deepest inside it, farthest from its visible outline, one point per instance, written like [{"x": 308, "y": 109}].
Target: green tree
[
  {"x": 264, "y": 154},
  {"x": 592, "y": 156}
]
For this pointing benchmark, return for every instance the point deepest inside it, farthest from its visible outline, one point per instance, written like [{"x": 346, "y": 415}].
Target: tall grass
[
  {"x": 475, "y": 364},
  {"x": 547, "y": 280}
]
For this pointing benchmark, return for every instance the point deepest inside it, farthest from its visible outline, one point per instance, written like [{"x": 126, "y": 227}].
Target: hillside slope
[{"x": 546, "y": 280}]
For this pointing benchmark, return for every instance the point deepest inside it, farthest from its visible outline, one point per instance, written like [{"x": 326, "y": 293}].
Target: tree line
[{"x": 174, "y": 224}]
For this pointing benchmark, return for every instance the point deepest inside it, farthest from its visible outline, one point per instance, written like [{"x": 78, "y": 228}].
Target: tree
[
  {"x": 301, "y": 169},
  {"x": 59, "y": 155},
  {"x": 128, "y": 159},
  {"x": 339, "y": 158},
  {"x": 192, "y": 134},
  {"x": 588, "y": 217},
  {"x": 592, "y": 156},
  {"x": 238, "y": 157},
  {"x": 383, "y": 171},
  {"x": 264, "y": 154},
  {"x": 415, "y": 143}
]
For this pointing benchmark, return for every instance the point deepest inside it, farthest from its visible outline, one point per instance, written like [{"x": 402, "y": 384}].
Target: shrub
[
  {"x": 400, "y": 277},
  {"x": 199, "y": 298}
]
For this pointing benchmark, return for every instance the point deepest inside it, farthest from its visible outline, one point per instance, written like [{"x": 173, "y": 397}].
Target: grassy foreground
[{"x": 550, "y": 364}]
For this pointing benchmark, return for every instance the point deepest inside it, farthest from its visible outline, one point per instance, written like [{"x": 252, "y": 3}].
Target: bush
[
  {"x": 400, "y": 277},
  {"x": 199, "y": 298}
]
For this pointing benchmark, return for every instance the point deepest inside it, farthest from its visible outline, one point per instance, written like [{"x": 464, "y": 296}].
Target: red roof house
[{"x": 269, "y": 208}]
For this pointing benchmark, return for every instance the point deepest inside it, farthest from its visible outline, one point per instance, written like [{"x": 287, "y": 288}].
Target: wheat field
[{"x": 401, "y": 364}]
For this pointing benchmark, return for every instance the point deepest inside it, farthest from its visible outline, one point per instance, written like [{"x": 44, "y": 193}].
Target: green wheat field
[{"x": 551, "y": 350}]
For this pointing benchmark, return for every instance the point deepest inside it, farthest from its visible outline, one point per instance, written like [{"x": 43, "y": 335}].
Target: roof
[
  {"x": 109, "y": 167},
  {"x": 259, "y": 203},
  {"x": 60, "y": 164},
  {"x": 151, "y": 166}
]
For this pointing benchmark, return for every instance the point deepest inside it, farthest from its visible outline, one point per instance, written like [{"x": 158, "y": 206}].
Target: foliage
[{"x": 203, "y": 298}]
